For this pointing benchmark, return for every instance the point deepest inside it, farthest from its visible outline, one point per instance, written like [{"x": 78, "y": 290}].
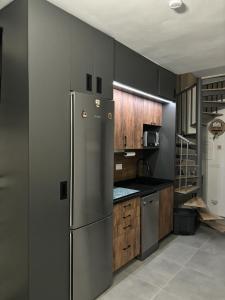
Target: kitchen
[{"x": 56, "y": 96}]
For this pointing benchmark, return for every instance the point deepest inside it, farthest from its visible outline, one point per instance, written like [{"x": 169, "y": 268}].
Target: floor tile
[
  {"x": 131, "y": 289},
  {"x": 158, "y": 271},
  {"x": 197, "y": 240},
  {"x": 215, "y": 245},
  {"x": 163, "y": 295},
  {"x": 179, "y": 253},
  {"x": 212, "y": 265},
  {"x": 189, "y": 284},
  {"x": 184, "y": 268}
]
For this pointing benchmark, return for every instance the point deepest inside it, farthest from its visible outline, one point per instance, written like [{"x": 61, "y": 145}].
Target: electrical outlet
[
  {"x": 214, "y": 202},
  {"x": 119, "y": 167}
]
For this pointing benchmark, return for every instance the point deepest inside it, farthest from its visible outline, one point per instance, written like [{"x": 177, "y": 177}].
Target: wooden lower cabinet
[
  {"x": 166, "y": 202},
  {"x": 126, "y": 232}
]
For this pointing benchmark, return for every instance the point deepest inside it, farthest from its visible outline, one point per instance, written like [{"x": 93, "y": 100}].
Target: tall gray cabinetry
[
  {"x": 136, "y": 71},
  {"x": 91, "y": 60},
  {"x": 46, "y": 53}
]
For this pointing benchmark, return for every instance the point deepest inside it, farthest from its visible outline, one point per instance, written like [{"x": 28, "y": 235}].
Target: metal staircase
[
  {"x": 186, "y": 167},
  {"x": 197, "y": 106},
  {"x": 188, "y": 173}
]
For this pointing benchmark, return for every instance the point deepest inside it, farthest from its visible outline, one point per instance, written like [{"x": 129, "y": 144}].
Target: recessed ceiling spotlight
[{"x": 174, "y": 4}]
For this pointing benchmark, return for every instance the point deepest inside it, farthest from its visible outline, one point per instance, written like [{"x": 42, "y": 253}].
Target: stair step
[
  {"x": 213, "y": 79},
  {"x": 185, "y": 154},
  {"x": 212, "y": 114},
  {"x": 216, "y": 103},
  {"x": 188, "y": 177},
  {"x": 189, "y": 166},
  {"x": 191, "y": 146},
  {"x": 213, "y": 92},
  {"x": 191, "y": 135},
  {"x": 186, "y": 190}
]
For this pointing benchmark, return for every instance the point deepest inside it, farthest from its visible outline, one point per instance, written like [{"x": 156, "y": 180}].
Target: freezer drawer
[
  {"x": 91, "y": 260},
  {"x": 92, "y": 140}
]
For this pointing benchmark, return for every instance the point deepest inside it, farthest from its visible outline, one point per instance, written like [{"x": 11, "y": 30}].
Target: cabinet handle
[
  {"x": 125, "y": 141},
  {"x": 99, "y": 85},
  {"x": 127, "y": 247},
  {"x": 128, "y": 216},
  {"x": 128, "y": 226},
  {"x": 128, "y": 205},
  {"x": 89, "y": 82}
]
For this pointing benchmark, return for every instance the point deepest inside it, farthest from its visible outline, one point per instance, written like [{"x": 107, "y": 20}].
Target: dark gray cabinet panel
[
  {"x": 103, "y": 65},
  {"x": 135, "y": 70},
  {"x": 49, "y": 84},
  {"x": 167, "y": 84},
  {"x": 82, "y": 56},
  {"x": 14, "y": 159},
  {"x": 162, "y": 162},
  {"x": 91, "y": 60},
  {"x": 124, "y": 70}
]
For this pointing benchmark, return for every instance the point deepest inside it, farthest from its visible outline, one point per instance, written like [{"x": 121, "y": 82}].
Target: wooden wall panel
[{"x": 129, "y": 166}]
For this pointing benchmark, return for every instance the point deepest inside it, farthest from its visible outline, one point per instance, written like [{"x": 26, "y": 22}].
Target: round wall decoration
[{"x": 217, "y": 127}]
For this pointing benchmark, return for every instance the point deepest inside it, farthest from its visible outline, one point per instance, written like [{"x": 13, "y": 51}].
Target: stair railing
[{"x": 183, "y": 141}]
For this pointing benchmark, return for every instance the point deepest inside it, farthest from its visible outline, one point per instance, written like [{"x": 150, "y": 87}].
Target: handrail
[{"x": 184, "y": 139}]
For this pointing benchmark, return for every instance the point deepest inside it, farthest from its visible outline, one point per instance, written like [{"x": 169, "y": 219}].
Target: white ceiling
[{"x": 186, "y": 41}]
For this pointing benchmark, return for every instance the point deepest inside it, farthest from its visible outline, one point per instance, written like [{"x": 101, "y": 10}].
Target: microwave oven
[{"x": 151, "y": 139}]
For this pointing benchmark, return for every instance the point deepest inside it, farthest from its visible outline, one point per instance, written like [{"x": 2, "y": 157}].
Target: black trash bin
[{"x": 185, "y": 221}]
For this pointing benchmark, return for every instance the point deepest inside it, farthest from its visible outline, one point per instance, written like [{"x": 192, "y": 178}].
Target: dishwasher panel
[{"x": 149, "y": 225}]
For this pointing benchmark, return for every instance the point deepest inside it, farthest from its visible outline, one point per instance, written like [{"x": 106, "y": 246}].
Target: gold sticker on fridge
[
  {"x": 110, "y": 116},
  {"x": 84, "y": 114},
  {"x": 98, "y": 103}
]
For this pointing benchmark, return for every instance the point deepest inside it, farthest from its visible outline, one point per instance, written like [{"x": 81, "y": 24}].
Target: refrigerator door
[
  {"x": 91, "y": 260},
  {"x": 92, "y": 159}
]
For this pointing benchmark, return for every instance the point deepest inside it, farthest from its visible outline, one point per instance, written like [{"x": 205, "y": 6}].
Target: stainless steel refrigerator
[{"x": 91, "y": 195}]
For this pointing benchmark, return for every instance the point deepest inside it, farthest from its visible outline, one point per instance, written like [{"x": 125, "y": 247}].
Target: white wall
[{"x": 214, "y": 171}]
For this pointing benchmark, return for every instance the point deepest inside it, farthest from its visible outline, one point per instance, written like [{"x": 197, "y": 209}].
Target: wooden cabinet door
[
  {"x": 148, "y": 115},
  {"x": 128, "y": 120},
  {"x": 157, "y": 113},
  {"x": 126, "y": 232},
  {"x": 138, "y": 122},
  {"x": 165, "y": 212},
  {"x": 118, "y": 121}
]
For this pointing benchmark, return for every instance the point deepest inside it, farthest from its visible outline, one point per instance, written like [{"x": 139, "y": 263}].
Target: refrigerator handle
[{"x": 72, "y": 103}]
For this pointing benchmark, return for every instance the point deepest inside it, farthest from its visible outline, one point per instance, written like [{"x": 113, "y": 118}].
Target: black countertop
[{"x": 145, "y": 186}]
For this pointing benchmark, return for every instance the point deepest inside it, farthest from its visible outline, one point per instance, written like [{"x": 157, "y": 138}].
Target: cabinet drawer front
[
  {"x": 133, "y": 243},
  {"x": 127, "y": 225},
  {"x": 128, "y": 210},
  {"x": 120, "y": 256}
]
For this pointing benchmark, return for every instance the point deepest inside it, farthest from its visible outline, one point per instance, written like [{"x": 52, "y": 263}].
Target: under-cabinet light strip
[{"x": 138, "y": 92}]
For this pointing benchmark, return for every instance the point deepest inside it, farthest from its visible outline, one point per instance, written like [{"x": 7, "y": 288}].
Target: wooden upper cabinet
[
  {"x": 152, "y": 114},
  {"x": 148, "y": 114},
  {"x": 157, "y": 113},
  {"x": 118, "y": 127},
  {"x": 128, "y": 110},
  {"x": 131, "y": 113},
  {"x": 138, "y": 122}
]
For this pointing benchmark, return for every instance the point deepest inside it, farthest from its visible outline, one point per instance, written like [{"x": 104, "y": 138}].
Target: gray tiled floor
[{"x": 184, "y": 268}]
